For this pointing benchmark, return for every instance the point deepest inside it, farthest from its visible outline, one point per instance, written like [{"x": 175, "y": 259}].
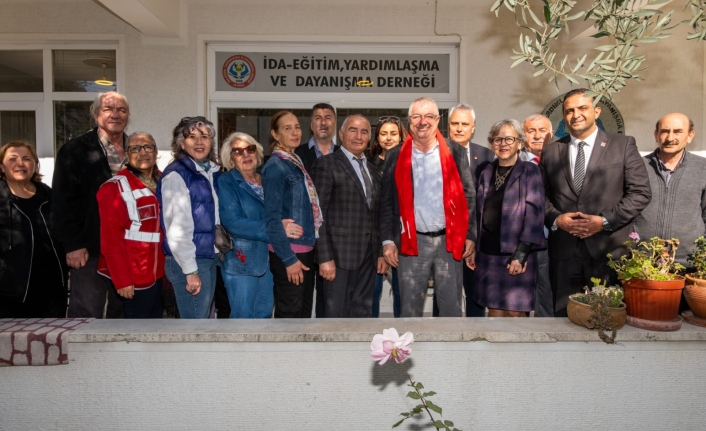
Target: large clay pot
[
  {"x": 653, "y": 300},
  {"x": 580, "y": 313},
  {"x": 696, "y": 304},
  {"x": 691, "y": 281}
]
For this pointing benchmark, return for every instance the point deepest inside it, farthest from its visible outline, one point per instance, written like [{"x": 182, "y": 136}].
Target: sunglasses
[{"x": 250, "y": 149}]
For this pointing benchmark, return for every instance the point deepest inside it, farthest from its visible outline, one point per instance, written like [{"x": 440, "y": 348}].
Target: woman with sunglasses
[
  {"x": 131, "y": 253},
  {"x": 510, "y": 214},
  {"x": 290, "y": 194},
  {"x": 246, "y": 268},
  {"x": 389, "y": 133}
]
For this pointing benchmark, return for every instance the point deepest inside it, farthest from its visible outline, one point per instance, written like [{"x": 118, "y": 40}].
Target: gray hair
[
  {"x": 463, "y": 107},
  {"x": 423, "y": 101},
  {"x": 184, "y": 128},
  {"x": 350, "y": 117},
  {"x": 133, "y": 136},
  {"x": 514, "y": 124},
  {"x": 239, "y": 136},
  {"x": 535, "y": 117},
  {"x": 96, "y": 105}
]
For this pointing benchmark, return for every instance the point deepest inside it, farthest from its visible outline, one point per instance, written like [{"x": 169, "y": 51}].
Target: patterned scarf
[
  {"x": 281, "y": 153},
  {"x": 455, "y": 204}
]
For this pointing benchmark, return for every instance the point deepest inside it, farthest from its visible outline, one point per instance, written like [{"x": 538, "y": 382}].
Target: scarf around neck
[
  {"x": 455, "y": 204},
  {"x": 281, "y": 153}
]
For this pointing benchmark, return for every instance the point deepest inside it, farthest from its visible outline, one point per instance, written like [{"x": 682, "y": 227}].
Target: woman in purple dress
[{"x": 510, "y": 214}]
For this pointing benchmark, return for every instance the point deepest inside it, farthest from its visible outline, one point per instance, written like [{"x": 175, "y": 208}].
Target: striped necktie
[
  {"x": 366, "y": 181},
  {"x": 580, "y": 168}
]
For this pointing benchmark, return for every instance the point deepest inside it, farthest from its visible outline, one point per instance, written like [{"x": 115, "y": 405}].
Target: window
[{"x": 46, "y": 91}]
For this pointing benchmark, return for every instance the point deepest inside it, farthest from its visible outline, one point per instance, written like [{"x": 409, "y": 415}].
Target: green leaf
[
  {"x": 495, "y": 7},
  {"x": 429, "y": 394},
  {"x": 534, "y": 18},
  {"x": 539, "y": 72},
  {"x": 570, "y": 78},
  {"x": 419, "y": 385},
  {"x": 605, "y": 48},
  {"x": 417, "y": 409},
  {"x": 601, "y": 34},
  {"x": 398, "y": 423},
  {"x": 521, "y": 60},
  {"x": 433, "y": 407},
  {"x": 439, "y": 424},
  {"x": 547, "y": 13},
  {"x": 413, "y": 395},
  {"x": 575, "y": 16},
  {"x": 448, "y": 424}
]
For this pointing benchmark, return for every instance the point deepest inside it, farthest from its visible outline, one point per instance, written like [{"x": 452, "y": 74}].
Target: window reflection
[
  {"x": 16, "y": 125},
  {"x": 71, "y": 119},
  {"x": 21, "y": 71},
  {"x": 84, "y": 70}
]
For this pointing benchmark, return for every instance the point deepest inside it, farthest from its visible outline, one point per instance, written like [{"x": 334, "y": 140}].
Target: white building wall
[{"x": 161, "y": 80}]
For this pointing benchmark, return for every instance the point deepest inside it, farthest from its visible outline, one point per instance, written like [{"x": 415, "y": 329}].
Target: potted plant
[
  {"x": 695, "y": 292},
  {"x": 600, "y": 308},
  {"x": 650, "y": 283}
]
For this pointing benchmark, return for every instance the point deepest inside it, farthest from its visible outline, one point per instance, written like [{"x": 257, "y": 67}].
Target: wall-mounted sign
[
  {"x": 610, "y": 119},
  {"x": 332, "y": 73}
]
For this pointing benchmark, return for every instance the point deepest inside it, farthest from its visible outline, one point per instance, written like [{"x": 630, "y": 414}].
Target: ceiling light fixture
[{"x": 104, "y": 81}]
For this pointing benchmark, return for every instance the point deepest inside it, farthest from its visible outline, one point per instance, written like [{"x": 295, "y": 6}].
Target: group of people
[{"x": 517, "y": 226}]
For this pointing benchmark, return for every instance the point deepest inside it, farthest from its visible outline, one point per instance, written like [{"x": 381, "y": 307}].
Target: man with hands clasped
[{"x": 595, "y": 184}]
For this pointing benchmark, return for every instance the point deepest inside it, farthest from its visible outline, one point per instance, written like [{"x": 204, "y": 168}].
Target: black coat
[
  {"x": 80, "y": 169},
  {"x": 480, "y": 157},
  {"x": 17, "y": 243},
  {"x": 308, "y": 155}
]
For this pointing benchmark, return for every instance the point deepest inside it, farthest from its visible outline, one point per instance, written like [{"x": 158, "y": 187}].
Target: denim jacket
[
  {"x": 286, "y": 196},
  {"x": 242, "y": 213}
]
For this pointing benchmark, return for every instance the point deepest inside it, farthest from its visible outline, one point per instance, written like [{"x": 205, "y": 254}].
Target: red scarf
[{"x": 455, "y": 204}]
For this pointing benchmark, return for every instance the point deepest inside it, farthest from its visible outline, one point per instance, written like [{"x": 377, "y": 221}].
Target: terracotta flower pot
[
  {"x": 580, "y": 313},
  {"x": 698, "y": 282},
  {"x": 697, "y": 305},
  {"x": 653, "y": 300},
  {"x": 695, "y": 291}
]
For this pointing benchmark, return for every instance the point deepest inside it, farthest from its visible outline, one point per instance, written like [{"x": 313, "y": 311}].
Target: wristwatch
[{"x": 606, "y": 225}]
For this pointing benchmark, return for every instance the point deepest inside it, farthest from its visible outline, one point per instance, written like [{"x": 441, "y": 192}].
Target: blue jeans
[
  {"x": 250, "y": 297},
  {"x": 192, "y": 306},
  {"x": 395, "y": 294}
]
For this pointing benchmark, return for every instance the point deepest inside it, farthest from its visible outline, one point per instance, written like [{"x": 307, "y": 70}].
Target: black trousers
[
  {"x": 570, "y": 276},
  {"x": 291, "y": 300},
  {"x": 88, "y": 291},
  {"x": 350, "y": 294}
]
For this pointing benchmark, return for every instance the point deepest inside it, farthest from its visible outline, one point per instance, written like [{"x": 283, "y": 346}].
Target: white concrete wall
[
  {"x": 161, "y": 80},
  {"x": 335, "y": 385}
]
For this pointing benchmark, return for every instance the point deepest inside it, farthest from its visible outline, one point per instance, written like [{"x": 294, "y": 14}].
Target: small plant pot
[
  {"x": 696, "y": 282},
  {"x": 580, "y": 314},
  {"x": 653, "y": 300},
  {"x": 695, "y": 291},
  {"x": 697, "y": 305}
]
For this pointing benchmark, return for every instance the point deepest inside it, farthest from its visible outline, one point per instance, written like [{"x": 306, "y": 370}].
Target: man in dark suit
[
  {"x": 596, "y": 184},
  {"x": 427, "y": 195},
  {"x": 462, "y": 124},
  {"x": 348, "y": 249},
  {"x": 323, "y": 131}
]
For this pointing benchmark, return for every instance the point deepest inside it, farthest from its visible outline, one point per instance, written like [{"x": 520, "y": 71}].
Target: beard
[{"x": 322, "y": 135}]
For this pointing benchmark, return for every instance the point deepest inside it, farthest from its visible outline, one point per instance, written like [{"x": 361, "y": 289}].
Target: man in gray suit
[
  {"x": 596, "y": 184},
  {"x": 462, "y": 124},
  {"x": 348, "y": 249},
  {"x": 425, "y": 228},
  {"x": 539, "y": 132}
]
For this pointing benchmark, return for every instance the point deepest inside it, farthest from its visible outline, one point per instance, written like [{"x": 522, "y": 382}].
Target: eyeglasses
[
  {"x": 134, "y": 149},
  {"x": 507, "y": 141},
  {"x": 250, "y": 149},
  {"x": 417, "y": 118}
]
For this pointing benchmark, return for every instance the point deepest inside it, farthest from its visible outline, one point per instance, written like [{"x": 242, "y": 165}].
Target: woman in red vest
[{"x": 131, "y": 253}]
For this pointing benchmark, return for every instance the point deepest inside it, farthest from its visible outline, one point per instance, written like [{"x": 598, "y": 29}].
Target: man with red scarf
[{"x": 426, "y": 198}]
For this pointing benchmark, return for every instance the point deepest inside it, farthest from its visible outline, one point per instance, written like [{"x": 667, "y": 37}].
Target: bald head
[
  {"x": 538, "y": 130},
  {"x": 673, "y": 133}
]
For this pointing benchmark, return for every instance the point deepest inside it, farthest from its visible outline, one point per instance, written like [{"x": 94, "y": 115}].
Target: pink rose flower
[
  {"x": 390, "y": 345},
  {"x": 634, "y": 236}
]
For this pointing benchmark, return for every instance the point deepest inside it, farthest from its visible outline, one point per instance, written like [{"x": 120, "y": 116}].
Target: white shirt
[
  {"x": 178, "y": 222},
  {"x": 587, "y": 150},
  {"x": 429, "y": 214}
]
